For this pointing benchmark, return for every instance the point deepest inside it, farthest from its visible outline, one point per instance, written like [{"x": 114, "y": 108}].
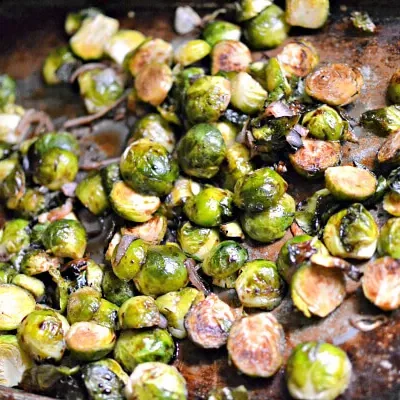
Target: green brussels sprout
[
  {"x": 391, "y": 203},
  {"x": 384, "y": 120},
  {"x": 89, "y": 41},
  {"x": 224, "y": 259},
  {"x": 58, "y": 65},
  {"x": 228, "y": 130},
  {"x": 259, "y": 285},
  {"x": 393, "y": 91},
  {"x": 350, "y": 183},
  {"x": 152, "y": 231},
  {"x": 10, "y": 117},
  {"x": 210, "y": 207},
  {"x": 89, "y": 341},
  {"x": 175, "y": 306},
  {"x": 226, "y": 283},
  {"x": 83, "y": 304},
  {"x": 13, "y": 360},
  {"x": 183, "y": 189},
  {"x": 42, "y": 335},
  {"x": 363, "y": 22},
  {"x": 5, "y": 151},
  {"x": 31, "y": 284},
  {"x": 207, "y": 99},
  {"x": 250, "y": 339},
  {"x": 65, "y": 238},
  {"x": 137, "y": 347},
  {"x": 318, "y": 370},
  {"x": 275, "y": 80},
  {"x": 389, "y": 239},
  {"x": 31, "y": 203},
  {"x": 53, "y": 140},
  {"x": 389, "y": 153},
  {"x": 155, "y": 380},
  {"x": 191, "y": 52},
  {"x": 324, "y": 123},
  {"x": 248, "y": 9},
  {"x": 163, "y": 271},
  {"x": 91, "y": 193},
  {"x": 307, "y": 13},
  {"x": 122, "y": 43},
  {"x": 7, "y": 273},
  {"x": 107, "y": 314},
  {"x": 13, "y": 187},
  {"x": 139, "y": 312},
  {"x": 131, "y": 205},
  {"x": 115, "y": 290},
  {"x": 73, "y": 21},
  {"x": 228, "y": 393},
  {"x": 15, "y": 304},
  {"x": 216, "y": 31},
  {"x": 195, "y": 241},
  {"x": 351, "y": 233},
  {"x": 148, "y": 168},
  {"x": 6, "y": 167},
  {"x": 110, "y": 175},
  {"x": 381, "y": 281},
  {"x": 7, "y": 90},
  {"x": 259, "y": 190},
  {"x": 272, "y": 223},
  {"x": 201, "y": 151},
  {"x": 248, "y": 95},
  {"x": 268, "y": 29},
  {"x": 14, "y": 237},
  {"x": 156, "y": 129}
]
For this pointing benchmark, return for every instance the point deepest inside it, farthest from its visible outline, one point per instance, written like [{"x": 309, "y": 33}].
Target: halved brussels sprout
[
  {"x": 259, "y": 285},
  {"x": 89, "y": 41},
  {"x": 183, "y": 189},
  {"x": 91, "y": 193},
  {"x": 107, "y": 314},
  {"x": 210, "y": 207},
  {"x": 389, "y": 239},
  {"x": 152, "y": 231},
  {"x": 83, "y": 272},
  {"x": 122, "y": 43},
  {"x": 268, "y": 29},
  {"x": 131, "y": 205},
  {"x": 157, "y": 381},
  {"x": 191, "y": 52},
  {"x": 381, "y": 282},
  {"x": 42, "y": 335},
  {"x": 389, "y": 153},
  {"x": 335, "y": 84},
  {"x": 391, "y": 203},
  {"x": 139, "y": 312},
  {"x": 6, "y": 167},
  {"x": 83, "y": 304},
  {"x": 232, "y": 230},
  {"x": 74, "y": 20},
  {"x": 318, "y": 370},
  {"x": 276, "y": 81},
  {"x": 310, "y": 14},
  {"x": 15, "y": 304},
  {"x": 7, "y": 90},
  {"x": 315, "y": 157},
  {"x": 393, "y": 90},
  {"x": 247, "y": 9},
  {"x": 115, "y": 290},
  {"x": 88, "y": 341},
  {"x": 250, "y": 339},
  {"x": 163, "y": 271},
  {"x": 351, "y": 233},
  {"x": 207, "y": 99},
  {"x": 201, "y": 151},
  {"x": 7, "y": 273},
  {"x": 215, "y": 31},
  {"x": 14, "y": 237},
  {"x": 209, "y": 321},
  {"x": 384, "y": 120},
  {"x": 272, "y": 223},
  {"x": 31, "y": 203},
  {"x": 135, "y": 347},
  {"x": 32, "y": 285},
  {"x": 58, "y": 65},
  {"x": 65, "y": 238},
  {"x": 148, "y": 168}
]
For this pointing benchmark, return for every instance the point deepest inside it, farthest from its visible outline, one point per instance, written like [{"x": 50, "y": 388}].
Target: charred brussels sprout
[
  {"x": 191, "y": 52},
  {"x": 83, "y": 305},
  {"x": 259, "y": 285},
  {"x": 156, "y": 381},
  {"x": 351, "y": 233},
  {"x": 137, "y": 347},
  {"x": 307, "y": 13},
  {"x": 215, "y": 31},
  {"x": 389, "y": 239},
  {"x": 148, "y": 168},
  {"x": 272, "y": 223},
  {"x": 58, "y": 65},
  {"x": 384, "y": 120},
  {"x": 268, "y": 29},
  {"x": 14, "y": 237},
  {"x": 139, "y": 312},
  {"x": 247, "y": 9},
  {"x": 91, "y": 193},
  {"x": 65, "y": 238},
  {"x": 207, "y": 99},
  {"x": 201, "y": 151},
  {"x": 122, "y": 43},
  {"x": 393, "y": 90},
  {"x": 210, "y": 207},
  {"x": 389, "y": 153},
  {"x": 318, "y": 370},
  {"x": 7, "y": 90},
  {"x": 115, "y": 290}
]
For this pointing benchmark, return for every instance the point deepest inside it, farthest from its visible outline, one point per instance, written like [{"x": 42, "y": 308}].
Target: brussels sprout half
[
  {"x": 389, "y": 239},
  {"x": 33, "y": 285},
  {"x": 215, "y": 31},
  {"x": 393, "y": 90},
  {"x": 391, "y": 203},
  {"x": 138, "y": 312},
  {"x": 276, "y": 81},
  {"x": 83, "y": 304},
  {"x": 191, "y": 52},
  {"x": 122, "y": 43},
  {"x": 91, "y": 193},
  {"x": 59, "y": 60},
  {"x": 115, "y": 290},
  {"x": 310, "y": 14},
  {"x": 384, "y": 120},
  {"x": 389, "y": 153}
]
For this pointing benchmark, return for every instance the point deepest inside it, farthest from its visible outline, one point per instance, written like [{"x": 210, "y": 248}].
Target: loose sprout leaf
[{"x": 363, "y": 22}]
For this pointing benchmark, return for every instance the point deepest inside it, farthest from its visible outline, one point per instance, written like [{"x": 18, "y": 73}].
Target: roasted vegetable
[
  {"x": 389, "y": 239},
  {"x": 391, "y": 203},
  {"x": 74, "y": 20},
  {"x": 115, "y": 290},
  {"x": 191, "y": 52},
  {"x": 216, "y": 31},
  {"x": 58, "y": 66},
  {"x": 384, "y": 120},
  {"x": 228, "y": 393},
  {"x": 14, "y": 237},
  {"x": 307, "y": 13},
  {"x": 230, "y": 56},
  {"x": 33, "y": 285},
  {"x": 363, "y": 22},
  {"x": 138, "y": 312},
  {"x": 122, "y": 43},
  {"x": 276, "y": 81},
  {"x": 151, "y": 231},
  {"x": 83, "y": 304},
  {"x": 389, "y": 153},
  {"x": 7, "y": 90},
  {"x": 393, "y": 90},
  {"x": 91, "y": 193}
]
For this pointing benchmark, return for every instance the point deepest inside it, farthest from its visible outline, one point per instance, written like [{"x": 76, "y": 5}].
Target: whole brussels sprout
[
  {"x": 207, "y": 99},
  {"x": 52, "y": 140},
  {"x": 215, "y": 31},
  {"x": 384, "y": 120},
  {"x": 393, "y": 90},
  {"x": 259, "y": 190},
  {"x": 307, "y": 13},
  {"x": 351, "y": 233},
  {"x": 110, "y": 175},
  {"x": 115, "y": 290},
  {"x": 195, "y": 241},
  {"x": 58, "y": 65},
  {"x": 42, "y": 335},
  {"x": 65, "y": 238},
  {"x": 389, "y": 239},
  {"x": 148, "y": 168},
  {"x": 268, "y": 29},
  {"x": 318, "y": 370},
  {"x": 31, "y": 284},
  {"x": 139, "y": 312},
  {"x": 157, "y": 381},
  {"x": 137, "y": 347},
  {"x": 7, "y": 90},
  {"x": 191, "y": 52},
  {"x": 210, "y": 207},
  {"x": 14, "y": 237},
  {"x": 272, "y": 223},
  {"x": 201, "y": 151},
  {"x": 91, "y": 193},
  {"x": 163, "y": 271},
  {"x": 259, "y": 285},
  {"x": 83, "y": 304}
]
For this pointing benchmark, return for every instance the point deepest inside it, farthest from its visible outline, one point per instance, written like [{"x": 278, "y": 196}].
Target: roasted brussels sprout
[
  {"x": 210, "y": 207},
  {"x": 157, "y": 381},
  {"x": 131, "y": 205},
  {"x": 122, "y": 43},
  {"x": 137, "y": 347},
  {"x": 351, "y": 233},
  {"x": 91, "y": 193},
  {"x": 7, "y": 273},
  {"x": 152, "y": 231},
  {"x": 393, "y": 90},
  {"x": 381, "y": 282},
  {"x": 74, "y": 20},
  {"x": 110, "y": 175},
  {"x": 272, "y": 223},
  {"x": 33, "y": 285},
  {"x": 230, "y": 56},
  {"x": 7, "y": 90},
  {"x": 139, "y": 312},
  {"x": 389, "y": 239},
  {"x": 232, "y": 230},
  {"x": 318, "y": 370},
  {"x": 58, "y": 66},
  {"x": 384, "y": 120},
  {"x": 183, "y": 189},
  {"x": 268, "y": 29},
  {"x": 334, "y": 84},
  {"x": 307, "y": 13},
  {"x": 229, "y": 393},
  {"x": 207, "y": 99},
  {"x": 14, "y": 237},
  {"x": 107, "y": 314},
  {"x": 250, "y": 339},
  {"x": 201, "y": 151},
  {"x": 83, "y": 305},
  {"x": 275, "y": 80},
  {"x": 389, "y": 153},
  {"x": 65, "y": 238},
  {"x": 215, "y": 31},
  {"x": 115, "y": 290},
  {"x": 31, "y": 203},
  {"x": 191, "y": 52},
  {"x": 247, "y": 9},
  {"x": 52, "y": 140},
  {"x": 228, "y": 130},
  {"x": 391, "y": 203}
]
